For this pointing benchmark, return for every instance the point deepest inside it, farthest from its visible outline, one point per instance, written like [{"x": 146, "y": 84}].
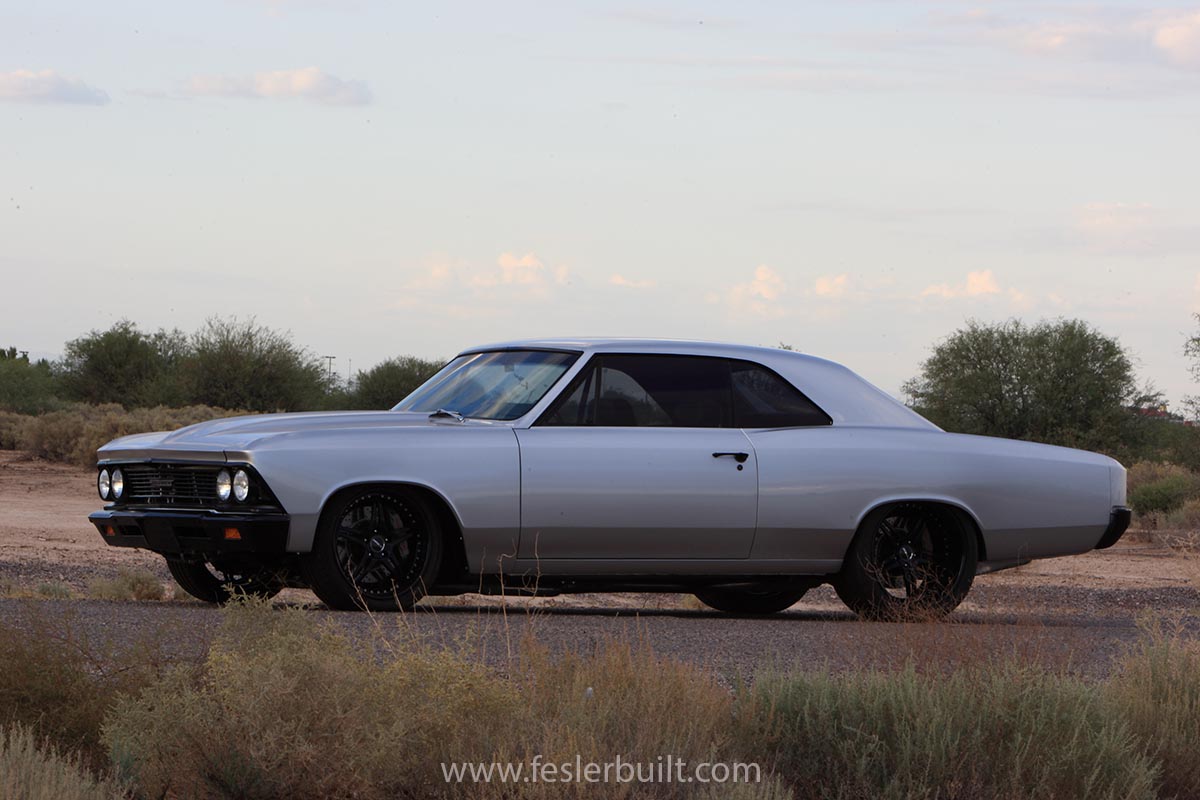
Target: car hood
[{"x": 212, "y": 439}]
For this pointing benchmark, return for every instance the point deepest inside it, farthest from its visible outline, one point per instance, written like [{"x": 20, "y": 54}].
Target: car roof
[
  {"x": 618, "y": 344},
  {"x": 839, "y": 391}
]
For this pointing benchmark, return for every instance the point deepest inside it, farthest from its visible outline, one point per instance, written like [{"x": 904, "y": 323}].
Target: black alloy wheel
[
  {"x": 909, "y": 561},
  {"x": 376, "y": 549}
]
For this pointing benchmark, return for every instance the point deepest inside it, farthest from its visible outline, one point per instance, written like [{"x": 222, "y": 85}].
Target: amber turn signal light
[{"x": 233, "y": 534}]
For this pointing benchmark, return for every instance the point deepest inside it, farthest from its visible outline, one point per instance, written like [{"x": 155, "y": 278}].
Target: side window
[
  {"x": 762, "y": 399},
  {"x": 648, "y": 391}
]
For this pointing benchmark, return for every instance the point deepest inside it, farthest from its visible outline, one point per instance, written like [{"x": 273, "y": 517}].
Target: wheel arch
[
  {"x": 454, "y": 553},
  {"x": 965, "y": 513}
]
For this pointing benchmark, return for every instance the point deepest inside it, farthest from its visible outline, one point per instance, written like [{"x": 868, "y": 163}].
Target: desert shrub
[
  {"x": 129, "y": 584},
  {"x": 54, "y": 590},
  {"x": 30, "y": 770},
  {"x": 240, "y": 364},
  {"x": 1157, "y": 689},
  {"x": 13, "y": 430},
  {"x": 73, "y": 435},
  {"x": 619, "y": 697},
  {"x": 997, "y": 731},
  {"x": 389, "y": 382},
  {"x": 1186, "y": 517},
  {"x": 1144, "y": 473},
  {"x": 61, "y": 686},
  {"x": 1157, "y": 498},
  {"x": 284, "y": 708}
]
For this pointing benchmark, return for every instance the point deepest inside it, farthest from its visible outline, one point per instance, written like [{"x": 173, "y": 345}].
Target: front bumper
[
  {"x": 1118, "y": 522},
  {"x": 193, "y": 532}
]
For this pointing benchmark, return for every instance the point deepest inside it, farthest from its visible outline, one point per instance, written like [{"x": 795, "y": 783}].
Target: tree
[
  {"x": 389, "y": 382},
  {"x": 245, "y": 366},
  {"x": 122, "y": 365},
  {"x": 1060, "y": 382}
]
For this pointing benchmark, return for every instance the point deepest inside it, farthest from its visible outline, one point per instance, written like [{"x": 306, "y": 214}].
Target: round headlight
[
  {"x": 241, "y": 485},
  {"x": 224, "y": 485},
  {"x": 103, "y": 484},
  {"x": 118, "y": 484}
]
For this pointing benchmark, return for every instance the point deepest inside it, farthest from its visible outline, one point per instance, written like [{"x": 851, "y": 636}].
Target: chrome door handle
[{"x": 738, "y": 457}]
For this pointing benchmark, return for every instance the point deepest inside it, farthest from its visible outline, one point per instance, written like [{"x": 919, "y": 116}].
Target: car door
[{"x": 638, "y": 459}]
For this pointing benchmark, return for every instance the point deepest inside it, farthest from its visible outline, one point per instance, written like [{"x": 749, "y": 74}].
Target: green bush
[
  {"x": 240, "y": 364},
  {"x": 26, "y": 387},
  {"x": 389, "y": 382},
  {"x": 1001, "y": 731},
  {"x": 1162, "y": 496},
  {"x": 123, "y": 365},
  {"x": 30, "y": 770}
]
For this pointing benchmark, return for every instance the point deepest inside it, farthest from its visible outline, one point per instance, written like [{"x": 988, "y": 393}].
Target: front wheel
[
  {"x": 212, "y": 584},
  {"x": 909, "y": 561},
  {"x": 376, "y": 549},
  {"x": 750, "y": 599}
]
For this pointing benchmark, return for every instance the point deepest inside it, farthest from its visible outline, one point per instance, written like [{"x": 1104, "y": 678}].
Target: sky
[{"x": 856, "y": 180}]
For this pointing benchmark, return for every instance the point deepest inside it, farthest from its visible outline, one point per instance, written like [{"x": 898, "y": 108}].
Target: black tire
[
  {"x": 766, "y": 599},
  {"x": 206, "y": 582},
  {"x": 376, "y": 549},
  {"x": 909, "y": 561}
]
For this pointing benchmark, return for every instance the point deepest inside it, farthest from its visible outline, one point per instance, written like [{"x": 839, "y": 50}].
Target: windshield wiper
[{"x": 442, "y": 413}]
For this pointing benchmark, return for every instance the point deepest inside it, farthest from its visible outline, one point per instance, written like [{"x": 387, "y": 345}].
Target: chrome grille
[{"x": 170, "y": 484}]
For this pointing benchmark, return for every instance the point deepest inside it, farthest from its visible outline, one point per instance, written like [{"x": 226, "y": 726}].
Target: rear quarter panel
[{"x": 1029, "y": 500}]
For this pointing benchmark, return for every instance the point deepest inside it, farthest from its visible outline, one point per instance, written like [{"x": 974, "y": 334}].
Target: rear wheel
[
  {"x": 212, "y": 584},
  {"x": 909, "y": 561},
  {"x": 751, "y": 599},
  {"x": 376, "y": 549}
]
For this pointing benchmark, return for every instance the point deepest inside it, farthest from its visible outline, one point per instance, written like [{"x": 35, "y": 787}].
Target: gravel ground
[{"x": 1076, "y": 612}]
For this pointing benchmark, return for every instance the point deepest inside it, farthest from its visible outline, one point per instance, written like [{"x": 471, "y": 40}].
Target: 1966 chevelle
[{"x": 743, "y": 475}]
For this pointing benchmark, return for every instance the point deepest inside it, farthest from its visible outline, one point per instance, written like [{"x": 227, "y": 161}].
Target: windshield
[{"x": 500, "y": 385}]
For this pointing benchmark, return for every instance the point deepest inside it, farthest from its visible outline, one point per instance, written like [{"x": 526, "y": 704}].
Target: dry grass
[
  {"x": 1157, "y": 689},
  {"x": 130, "y": 584},
  {"x": 1002, "y": 732},
  {"x": 61, "y": 686},
  {"x": 284, "y": 706},
  {"x": 30, "y": 770}
]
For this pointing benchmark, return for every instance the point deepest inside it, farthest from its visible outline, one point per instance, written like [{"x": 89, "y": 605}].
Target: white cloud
[
  {"x": 47, "y": 86},
  {"x": 458, "y": 286},
  {"x": 977, "y": 283},
  {"x": 758, "y": 296},
  {"x": 1178, "y": 38},
  {"x": 831, "y": 285},
  {"x": 1116, "y": 227},
  {"x": 309, "y": 83},
  {"x": 618, "y": 279}
]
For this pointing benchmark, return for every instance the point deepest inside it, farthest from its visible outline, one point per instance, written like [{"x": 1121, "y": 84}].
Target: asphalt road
[{"x": 999, "y": 622}]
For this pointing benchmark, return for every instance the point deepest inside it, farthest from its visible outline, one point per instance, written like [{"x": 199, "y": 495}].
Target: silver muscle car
[{"x": 744, "y": 475}]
